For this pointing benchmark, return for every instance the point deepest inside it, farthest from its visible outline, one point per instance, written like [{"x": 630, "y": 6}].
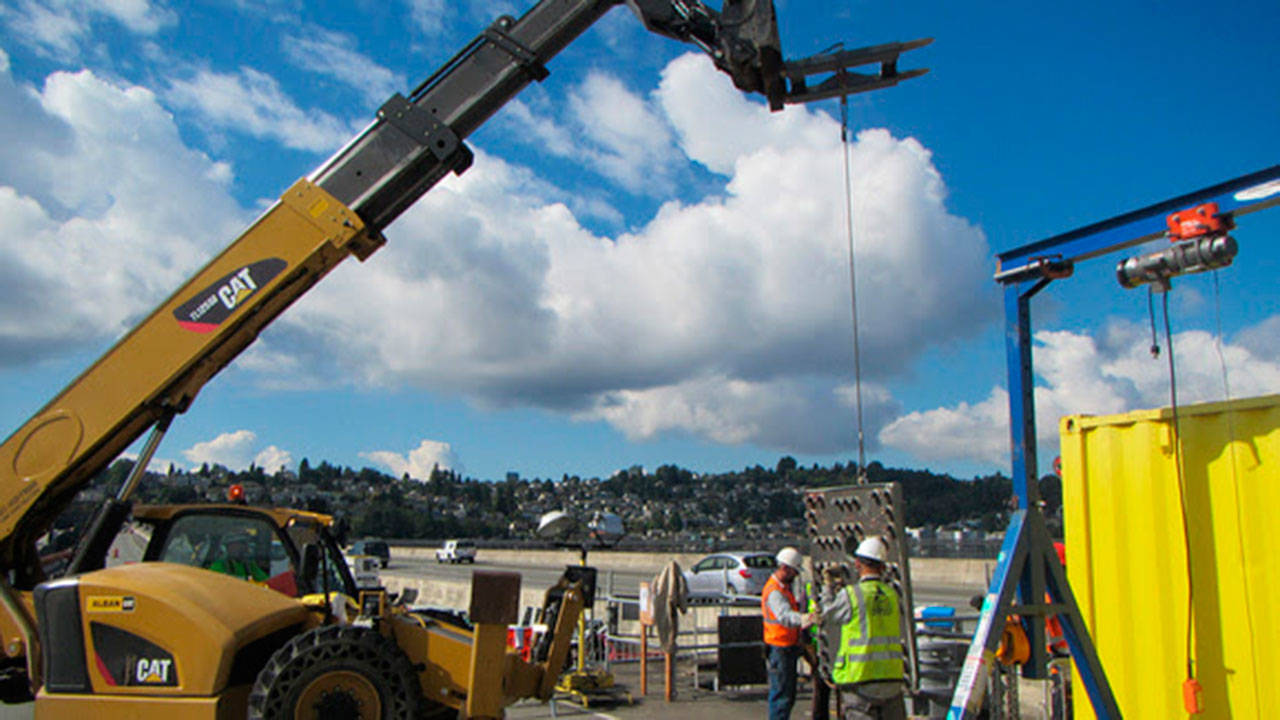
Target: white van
[{"x": 457, "y": 551}]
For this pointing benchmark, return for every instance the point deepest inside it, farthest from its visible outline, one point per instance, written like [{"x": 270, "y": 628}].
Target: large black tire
[{"x": 337, "y": 673}]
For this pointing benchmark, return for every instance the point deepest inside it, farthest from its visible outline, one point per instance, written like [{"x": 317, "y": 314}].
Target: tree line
[{"x": 446, "y": 504}]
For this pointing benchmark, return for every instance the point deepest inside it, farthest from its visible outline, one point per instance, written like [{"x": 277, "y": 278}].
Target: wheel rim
[{"x": 338, "y": 694}]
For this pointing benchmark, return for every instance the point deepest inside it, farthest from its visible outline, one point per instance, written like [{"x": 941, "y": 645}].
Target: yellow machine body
[
  {"x": 1127, "y": 554},
  {"x": 165, "y": 640},
  {"x": 159, "y": 638}
]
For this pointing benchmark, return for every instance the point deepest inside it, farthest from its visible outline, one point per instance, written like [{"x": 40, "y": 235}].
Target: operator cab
[{"x": 261, "y": 546}]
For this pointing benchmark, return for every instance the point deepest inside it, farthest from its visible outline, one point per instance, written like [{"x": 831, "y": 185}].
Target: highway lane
[{"x": 626, "y": 582}]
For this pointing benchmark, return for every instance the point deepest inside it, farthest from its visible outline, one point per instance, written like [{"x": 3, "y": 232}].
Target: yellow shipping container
[{"x": 1127, "y": 554}]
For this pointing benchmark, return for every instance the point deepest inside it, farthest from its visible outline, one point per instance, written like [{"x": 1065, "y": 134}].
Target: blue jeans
[{"x": 782, "y": 681}]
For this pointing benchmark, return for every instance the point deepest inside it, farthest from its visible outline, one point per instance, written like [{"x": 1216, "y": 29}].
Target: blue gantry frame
[{"x": 1027, "y": 564}]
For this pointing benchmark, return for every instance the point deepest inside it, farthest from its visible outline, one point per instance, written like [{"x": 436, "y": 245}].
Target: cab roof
[{"x": 279, "y": 516}]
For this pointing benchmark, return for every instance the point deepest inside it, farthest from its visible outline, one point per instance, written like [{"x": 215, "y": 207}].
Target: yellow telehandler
[{"x": 187, "y": 634}]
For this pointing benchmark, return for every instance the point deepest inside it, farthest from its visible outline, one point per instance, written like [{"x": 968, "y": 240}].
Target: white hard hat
[
  {"x": 873, "y": 548},
  {"x": 790, "y": 557}
]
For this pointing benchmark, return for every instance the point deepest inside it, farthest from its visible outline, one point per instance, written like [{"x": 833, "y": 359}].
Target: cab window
[
  {"x": 338, "y": 580},
  {"x": 245, "y": 547}
]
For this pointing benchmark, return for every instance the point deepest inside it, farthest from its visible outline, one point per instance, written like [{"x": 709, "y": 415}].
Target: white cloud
[
  {"x": 488, "y": 289},
  {"x": 607, "y": 128},
  {"x": 61, "y": 27},
  {"x": 429, "y": 15},
  {"x": 51, "y": 29},
  {"x": 1112, "y": 373},
  {"x": 102, "y": 212},
  {"x": 977, "y": 433},
  {"x": 419, "y": 462},
  {"x": 140, "y": 16},
  {"x": 252, "y": 102},
  {"x": 272, "y": 459},
  {"x": 727, "y": 318},
  {"x": 236, "y": 451},
  {"x": 718, "y": 126},
  {"x": 788, "y": 414},
  {"x": 335, "y": 55},
  {"x": 158, "y": 465},
  {"x": 233, "y": 450},
  {"x": 1263, "y": 339}
]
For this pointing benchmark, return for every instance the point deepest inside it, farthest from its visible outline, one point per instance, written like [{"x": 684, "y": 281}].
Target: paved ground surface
[
  {"x": 702, "y": 703},
  {"x": 689, "y": 702}
]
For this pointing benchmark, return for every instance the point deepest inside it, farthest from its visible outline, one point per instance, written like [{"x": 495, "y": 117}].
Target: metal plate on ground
[
  {"x": 495, "y": 597},
  {"x": 741, "y": 665}
]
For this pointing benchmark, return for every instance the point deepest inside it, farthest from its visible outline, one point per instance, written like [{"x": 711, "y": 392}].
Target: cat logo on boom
[{"x": 204, "y": 312}]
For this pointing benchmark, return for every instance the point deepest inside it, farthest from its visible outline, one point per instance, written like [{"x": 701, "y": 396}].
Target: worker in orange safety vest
[{"x": 783, "y": 622}]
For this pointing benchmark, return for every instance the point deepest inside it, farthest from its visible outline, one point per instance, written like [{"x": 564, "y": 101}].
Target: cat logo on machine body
[
  {"x": 125, "y": 659},
  {"x": 205, "y": 311}
]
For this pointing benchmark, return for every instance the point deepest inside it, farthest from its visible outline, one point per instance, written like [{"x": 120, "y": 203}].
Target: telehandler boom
[{"x": 56, "y": 633}]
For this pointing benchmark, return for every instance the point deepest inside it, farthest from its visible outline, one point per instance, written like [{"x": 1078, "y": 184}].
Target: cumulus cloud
[
  {"x": 420, "y": 461},
  {"x": 725, "y": 318},
  {"x": 158, "y": 465},
  {"x": 972, "y": 432},
  {"x": 605, "y": 126},
  {"x": 1079, "y": 373},
  {"x": 253, "y": 103},
  {"x": 232, "y": 450},
  {"x": 102, "y": 212},
  {"x": 487, "y": 288},
  {"x": 236, "y": 451},
  {"x": 335, "y": 55},
  {"x": 790, "y": 414},
  {"x": 273, "y": 459},
  {"x": 1263, "y": 339}
]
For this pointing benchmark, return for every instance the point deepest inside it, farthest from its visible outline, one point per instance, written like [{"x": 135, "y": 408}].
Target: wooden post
[
  {"x": 671, "y": 676},
  {"x": 644, "y": 660}
]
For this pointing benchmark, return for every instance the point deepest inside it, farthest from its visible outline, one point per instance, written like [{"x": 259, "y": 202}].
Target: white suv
[{"x": 456, "y": 551}]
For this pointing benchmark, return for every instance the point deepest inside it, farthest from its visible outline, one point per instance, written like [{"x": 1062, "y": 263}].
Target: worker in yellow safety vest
[
  {"x": 236, "y": 560},
  {"x": 867, "y": 669},
  {"x": 783, "y": 622}
]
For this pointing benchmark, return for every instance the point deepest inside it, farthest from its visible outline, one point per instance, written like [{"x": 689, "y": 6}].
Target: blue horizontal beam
[{"x": 1242, "y": 195}]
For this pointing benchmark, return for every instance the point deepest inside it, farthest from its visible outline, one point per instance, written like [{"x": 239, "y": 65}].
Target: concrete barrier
[
  {"x": 924, "y": 571},
  {"x": 454, "y": 594}
]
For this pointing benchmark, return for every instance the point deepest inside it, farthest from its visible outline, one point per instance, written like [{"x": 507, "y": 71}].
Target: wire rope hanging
[{"x": 853, "y": 285}]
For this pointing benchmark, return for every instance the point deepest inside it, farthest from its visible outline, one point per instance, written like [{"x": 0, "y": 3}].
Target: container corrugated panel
[{"x": 1127, "y": 558}]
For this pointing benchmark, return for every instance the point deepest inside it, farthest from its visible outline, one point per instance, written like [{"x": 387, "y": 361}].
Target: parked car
[
  {"x": 376, "y": 548},
  {"x": 456, "y": 551},
  {"x": 730, "y": 574}
]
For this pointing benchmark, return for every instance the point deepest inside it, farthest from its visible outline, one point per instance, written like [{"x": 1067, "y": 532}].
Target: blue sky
[{"x": 643, "y": 266}]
